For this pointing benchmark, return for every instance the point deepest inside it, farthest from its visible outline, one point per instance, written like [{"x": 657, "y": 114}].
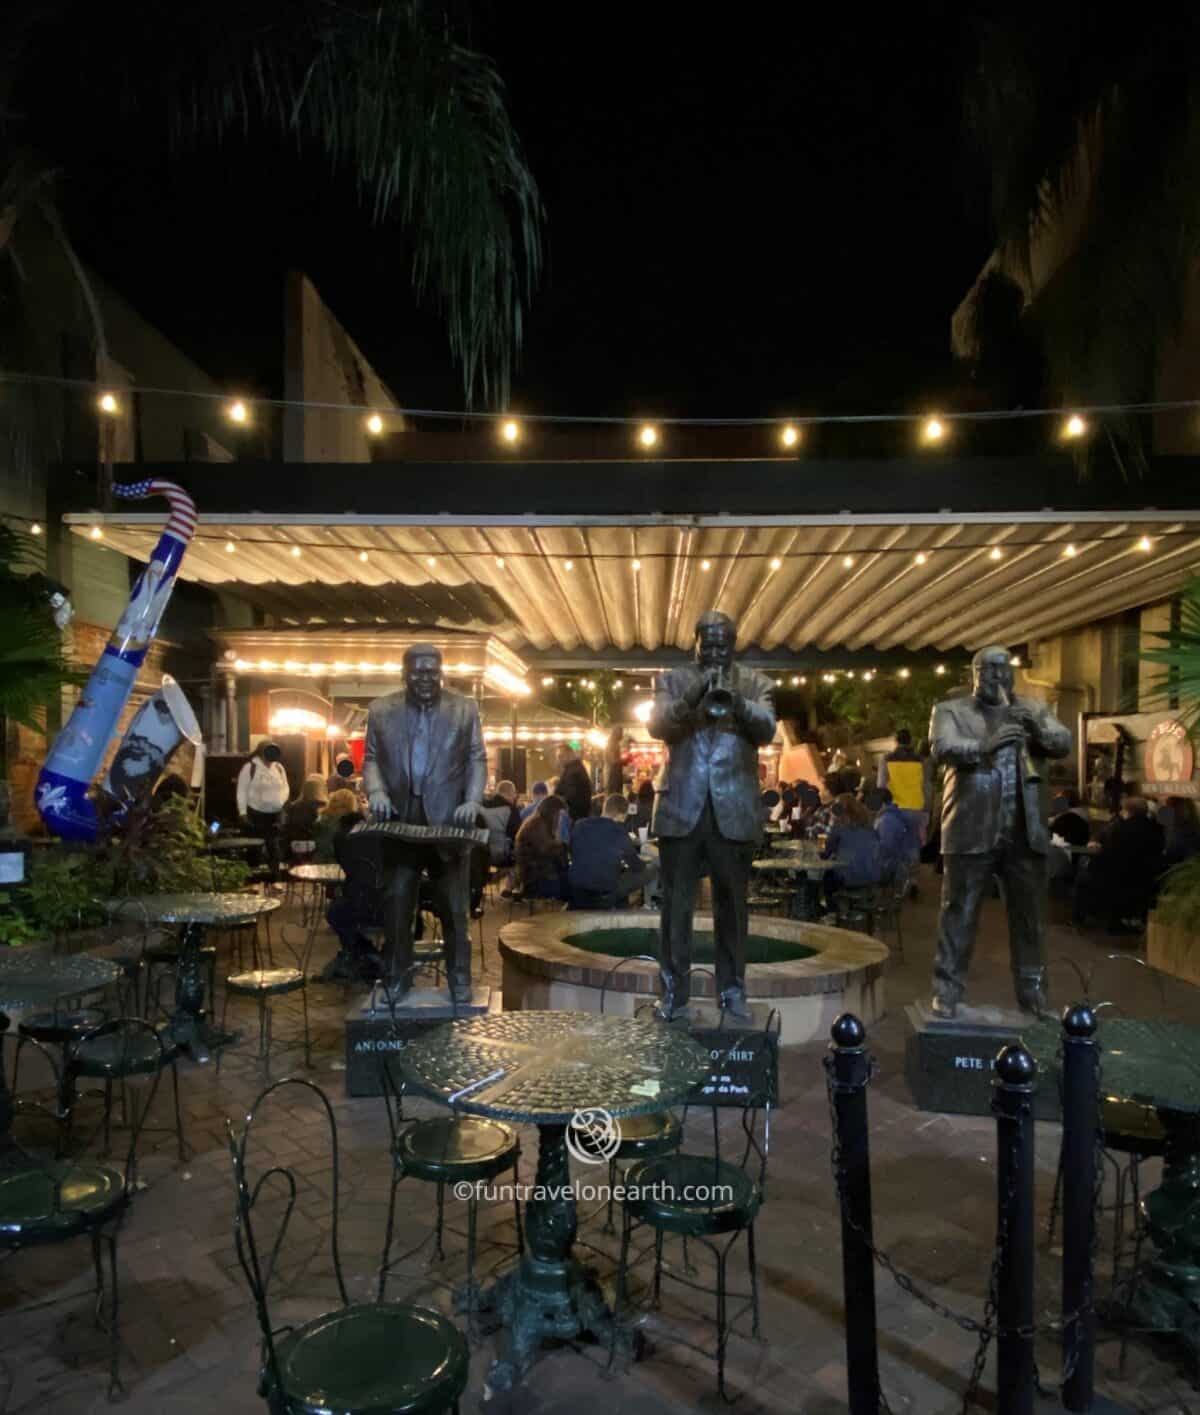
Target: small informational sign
[
  {"x": 370, "y": 1041},
  {"x": 744, "y": 1067}
]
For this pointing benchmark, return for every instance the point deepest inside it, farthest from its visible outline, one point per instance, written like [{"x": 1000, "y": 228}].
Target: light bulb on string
[
  {"x": 363, "y": 556},
  {"x": 96, "y": 533},
  {"x": 35, "y": 529},
  {"x": 995, "y": 553},
  {"x": 789, "y": 435},
  {"x": 568, "y": 565},
  {"x": 920, "y": 558},
  {"x": 1144, "y": 544},
  {"x": 1070, "y": 552},
  {"x": 230, "y": 547},
  {"x": 934, "y": 430},
  {"x": 776, "y": 563},
  {"x": 847, "y": 561},
  {"x": 547, "y": 682},
  {"x": 648, "y": 435},
  {"x": 706, "y": 565},
  {"x": 904, "y": 673},
  {"x": 637, "y": 565},
  {"x": 510, "y": 432},
  {"x": 107, "y": 403},
  {"x": 374, "y": 424},
  {"x": 237, "y": 412},
  {"x": 295, "y": 552},
  {"x": 1074, "y": 427},
  {"x": 499, "y": 562}
]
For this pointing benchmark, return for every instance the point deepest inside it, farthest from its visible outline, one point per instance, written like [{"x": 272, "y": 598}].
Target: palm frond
[
  {"x": 383, "y": 90},
  {"x": 1178, "y": 652}
]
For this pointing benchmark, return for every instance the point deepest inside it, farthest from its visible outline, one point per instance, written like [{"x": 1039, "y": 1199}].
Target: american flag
[{"x": 181, "y": 523}]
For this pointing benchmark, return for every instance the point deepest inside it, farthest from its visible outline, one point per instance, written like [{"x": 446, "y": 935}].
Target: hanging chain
[{"x": 987, "y": 1329}]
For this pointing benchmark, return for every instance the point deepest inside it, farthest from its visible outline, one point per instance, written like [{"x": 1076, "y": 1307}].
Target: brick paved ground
[{"x": 190, "y": 1339}]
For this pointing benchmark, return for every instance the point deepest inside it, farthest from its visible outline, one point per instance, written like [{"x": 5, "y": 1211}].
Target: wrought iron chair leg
[
  {"x": 721, "y": 1256},
  {"x": 1135, "y": 1274},
  {"x": 98, "y": 1265},
  {"x": 108, "y": 1085},
  {"x": 658, "y": 1247},
  {"x": 472, "y": 1303},
  {"x": 224, "y": 1014},
  {"x": 178, "y": 1114},
  {"x": 439, "y": 1252},
  {"x": 619, "y": 1294},
  {"x": 1054, "y": 1201},
  {"x": 612, "y": 1184},
  {"x": 753, "y": 1278},
  {"x": 388, "y": 1231},
  {"x": 307, "y": 1041},
  {"x": 114, "y": 1345}
]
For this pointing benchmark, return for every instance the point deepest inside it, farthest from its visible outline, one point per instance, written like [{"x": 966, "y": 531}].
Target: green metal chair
[
  {"x": 733, "y": 1192},
  {"x": 361, "y": 1358},
  {"x": 643, "y": 1137},
  {"x": 118, "y": 1053},
  {"x": 445, "y": 1150},
  {"x": 265, "y": 984},
  {"x": 44, "y": 1201}
]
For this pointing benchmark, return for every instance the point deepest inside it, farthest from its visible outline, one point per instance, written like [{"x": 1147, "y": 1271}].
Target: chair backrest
[
  {"x": 14, "y": 1103},
  {"x": 391, "y": 1083},
  {"x": 743, "y": 1077},
  {"x": 299, "y": 942},
  {"x": 258, "y": 1258},
  {"x": 136, "y": 1050},
  {"x": 616, "y": 968}
]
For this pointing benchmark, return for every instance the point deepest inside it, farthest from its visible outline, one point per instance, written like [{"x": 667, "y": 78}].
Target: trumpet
[
  {"x": 717, "y": 703},
  {"x": 1029, "y": 769}
]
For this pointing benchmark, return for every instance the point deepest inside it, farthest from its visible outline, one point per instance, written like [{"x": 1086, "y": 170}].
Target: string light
[
  {"x": 637, "y": 565},
  {"x": 363, "y": 556},
  {"x": 934, "y": 430},
  {"x": 867, "y": 675},
  {"x": 776, "y": 563},
  {"x": 1074, "y": 427},
  {"x": 779, "y": 682},
  {"x": 499, "y": 562},
  {"x": 1144, "y": 543},
  {"x": 431, "y": 561},
  {"x": 510, "y": 432},
  {"x": 107, "y": 403},
  {"x": 96, "y": 533},
  {"x": 229, "y": 547},
  {"x": 295, "y": 552},
  {"x": 706, "y": 565},
  {"x": 237, "y": 412},
  {"x": 648, "y": 436},
  {"x": 995, "y": 553},
  {"x": 790, "y": 435},
  {"x": 1070, "y": 552},
  {"x": 374, "y": 424},
  {"x": 829, "y": 677},
  {"x": 618, "y": 684},
  {"x": 847, "y": 561},
  {"x": 904, "y": 673},
  {"x": 920, "y": 558},
  {"x": 796, "y": 682},
  {"x": 1015, "y": 661},
  {"x": 940, "y": 669},
  {"x": 547, "y": 682},
  {"x": 568, "y": 565},
  {"x": 803, "y": 680},
  {"x": 35, "y": 529}
]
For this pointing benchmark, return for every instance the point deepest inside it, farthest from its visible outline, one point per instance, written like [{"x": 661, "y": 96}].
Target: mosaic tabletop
[
  {"x": 36, "y": 977},
  {"x": 793, "y": 863},
  {"x": 200, "y": 908},
  {"x": 542, "y": 1068},
  {"x": 318, "y": 874},
  {"x": 1151, "y": 1062},
  {"x": 234, "y": 842}
]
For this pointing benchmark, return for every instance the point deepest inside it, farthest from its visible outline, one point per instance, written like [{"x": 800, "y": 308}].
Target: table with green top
[
  {"x": 196, "y": 914},
  {"x": 1155, "y": 1063},
  {"x": 806, "y": 870},
  {"x": 565, "y": 1072},
  {"x": 35, "y": 978}
]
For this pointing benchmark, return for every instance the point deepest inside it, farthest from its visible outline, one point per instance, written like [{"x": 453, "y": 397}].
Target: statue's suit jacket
[
  {"x": 704, "y": 759},
  {"x": 457, "y": 769},
  {"x": 971, "y": 790}
]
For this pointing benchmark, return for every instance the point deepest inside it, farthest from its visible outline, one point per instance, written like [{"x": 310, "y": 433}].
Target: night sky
[{"x": 745, "y": 217}]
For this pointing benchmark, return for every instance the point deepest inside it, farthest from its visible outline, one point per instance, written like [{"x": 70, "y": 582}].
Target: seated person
[
  {"x": 1181, "y": 827},
  {"x": 1069, "y": 822},
  {"x": 340, "y": 813},
  {"x": 359, "y": 905},
  {"x": 772, "y": 803},
  {"x": 899, "y": 842},
  {"x": 541, "y": 855},
  {"x": 852, "y": 842},
  {"x": 499, "y": 815},
  {"x": 300, "y": 816},
  {"x": 605, "y": 865},
  {"x": 645, "y": 804},
  {"x": 1122, "y": 874}
]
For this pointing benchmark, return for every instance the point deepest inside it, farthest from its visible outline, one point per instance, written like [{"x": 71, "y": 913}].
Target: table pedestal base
[
  {"x": 189, "y": 1028},
  {"x": 549, "y": 1296},
  {"x": 1167, "y": 1298}
]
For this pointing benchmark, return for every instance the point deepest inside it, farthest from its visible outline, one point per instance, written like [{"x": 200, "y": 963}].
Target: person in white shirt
[{"x": 262, "y": 794}]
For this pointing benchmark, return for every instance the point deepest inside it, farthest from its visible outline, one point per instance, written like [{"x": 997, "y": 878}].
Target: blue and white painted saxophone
[{"x": 78, "y": 750}]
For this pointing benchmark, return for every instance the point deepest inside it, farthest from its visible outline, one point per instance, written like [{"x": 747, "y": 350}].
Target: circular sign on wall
[{"x": 1169, "y": 756}]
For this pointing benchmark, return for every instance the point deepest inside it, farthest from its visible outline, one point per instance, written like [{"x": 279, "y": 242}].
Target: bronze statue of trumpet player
[
  {"x": 992, "y": 744},
  {"x": 713, "y": 716}
]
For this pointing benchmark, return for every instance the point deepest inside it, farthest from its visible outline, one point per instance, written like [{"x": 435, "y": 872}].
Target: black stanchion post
[
  {"x": 851, "y": 1072},
  {"x": 1081, "y": 1100},
  {"x": 1012, "y": 1101}
]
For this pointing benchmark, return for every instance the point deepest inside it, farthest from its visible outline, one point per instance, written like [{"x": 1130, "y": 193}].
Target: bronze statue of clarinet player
[
  {"x": 424, "y": 764},
  {"x": 992, "y": 744},
  {"x": 713, "y": 716}
]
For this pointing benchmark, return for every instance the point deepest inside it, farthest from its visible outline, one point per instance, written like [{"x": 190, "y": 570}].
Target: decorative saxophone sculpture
[{"x": 79, "y": 748}]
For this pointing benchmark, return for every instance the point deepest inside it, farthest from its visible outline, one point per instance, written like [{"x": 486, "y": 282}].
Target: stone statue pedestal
[
  {"x": 948, "y": 1064},
  {"x": 372, "y": 1033}
]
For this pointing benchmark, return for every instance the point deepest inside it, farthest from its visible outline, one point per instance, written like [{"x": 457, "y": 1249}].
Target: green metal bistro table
[
  {"x": 197, "y": 913},
  {"x": 1156, "y": 1063},
  {"x": 35, "y": 978},
  {"x": 549, "y": 1069},
  {"x": 807, "y": 871}
]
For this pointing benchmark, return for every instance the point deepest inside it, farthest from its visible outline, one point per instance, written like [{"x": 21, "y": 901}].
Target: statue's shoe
[{"x": 944, "y": 1009}]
